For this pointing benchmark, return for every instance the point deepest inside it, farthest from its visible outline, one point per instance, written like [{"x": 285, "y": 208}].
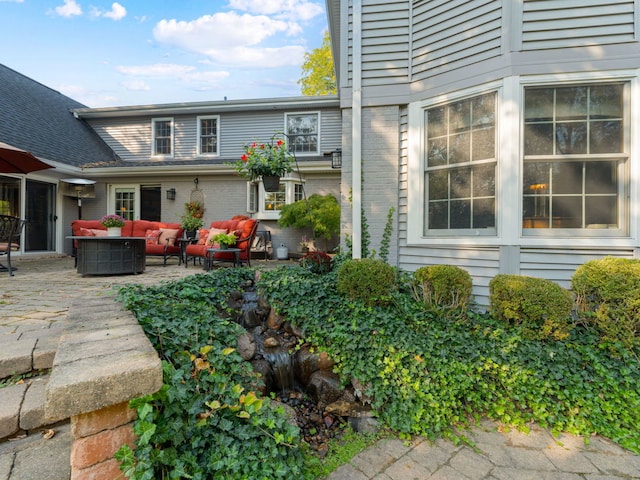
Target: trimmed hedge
[
  {"x": 368, "y": 280},
  {"x": 445, "y": 287},
  {"x": 608, "y": 297},
  {"x": 541, "y": 306}
]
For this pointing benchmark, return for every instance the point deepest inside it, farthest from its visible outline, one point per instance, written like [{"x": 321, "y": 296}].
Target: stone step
[
  {"x": 28, "y": 350},
  {"x": 35, "y": 457},
  {"x": 22, "y": 407}
]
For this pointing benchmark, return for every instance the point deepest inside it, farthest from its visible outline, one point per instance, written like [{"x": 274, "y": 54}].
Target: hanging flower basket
[
  {"x": 271, "y": 183},
  {"x": 262, "y": 160}
]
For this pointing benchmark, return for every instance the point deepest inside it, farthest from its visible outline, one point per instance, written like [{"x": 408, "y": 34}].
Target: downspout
[{"x": 356, "y": 129}]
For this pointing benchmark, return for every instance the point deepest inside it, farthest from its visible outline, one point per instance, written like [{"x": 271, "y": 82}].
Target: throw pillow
[
  {"x": 85, "y": 232},
  {"x": 170, "y": 234},
  {"x": 202, "y": 236},
  {"x": 98, "y": 233},
  {"x": 152, "y": 236},
  {"x": 212, "y": 233}
]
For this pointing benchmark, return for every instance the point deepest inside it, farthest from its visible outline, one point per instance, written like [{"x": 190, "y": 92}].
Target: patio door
[
  {"x": 39, "y": 233},
  {"x": 135, "y": 202}
]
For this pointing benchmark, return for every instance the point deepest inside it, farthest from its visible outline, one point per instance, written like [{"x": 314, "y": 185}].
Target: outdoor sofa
[
  {"x": 161, "y": 238},
  {"x": 243, "y": 227}
]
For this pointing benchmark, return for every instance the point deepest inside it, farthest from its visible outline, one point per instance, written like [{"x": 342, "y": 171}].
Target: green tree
[
  {"x": 321, "y": 213},
  {"x": 318, "y": 74}
]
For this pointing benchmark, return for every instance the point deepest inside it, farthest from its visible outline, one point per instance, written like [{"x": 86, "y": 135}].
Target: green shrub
[
  {"x": 444, "y": 286},
  {"x": 608, "y": 296},
  {"x": 368, "y": 280},
  {"x": 541, "y": 306}
]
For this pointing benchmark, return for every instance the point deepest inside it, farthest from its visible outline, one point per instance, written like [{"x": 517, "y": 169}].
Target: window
[
  {"x": 574, "y": 157},
  {"x": 303, "y": 132},
  {"x": 162, "y": 136},
  {"x": 267, "y": 205},
  {"x": 208, "y": 135},
  {"x": 460, "y": 165}
]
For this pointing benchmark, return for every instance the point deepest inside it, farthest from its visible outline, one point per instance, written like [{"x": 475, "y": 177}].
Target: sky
[{"x": 143, "y": 52}]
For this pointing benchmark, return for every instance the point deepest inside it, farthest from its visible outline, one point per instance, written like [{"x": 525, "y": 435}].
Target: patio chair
[{"x": 10, "y": 228}]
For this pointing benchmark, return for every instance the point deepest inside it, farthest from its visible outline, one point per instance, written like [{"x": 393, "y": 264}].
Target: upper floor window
[
  {"x": 303, "y": 132},
  {"x": 574, "y": 157},
  {"x": 162, "y": 136},
  {"x": 460, "y": 165},
  {"x": 208, "y": 134}
]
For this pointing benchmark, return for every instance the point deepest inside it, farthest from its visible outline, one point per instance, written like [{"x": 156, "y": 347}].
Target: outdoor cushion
[
  {"x": 85, "y": 232},
  {"x": 153, "y": 237},
  {"x": 98, "y": 232},
  {"x": 212, "y": 233},
  {"x": 170, "y": 234}
]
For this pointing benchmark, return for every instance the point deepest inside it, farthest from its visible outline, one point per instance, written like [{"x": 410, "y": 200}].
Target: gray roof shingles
[{"x": 37, "y": 118}]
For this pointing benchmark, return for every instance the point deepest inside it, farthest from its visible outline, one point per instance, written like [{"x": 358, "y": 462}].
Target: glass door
[
  {"x": 39, "y": 233},
  {"x": 135, "y": 202}
]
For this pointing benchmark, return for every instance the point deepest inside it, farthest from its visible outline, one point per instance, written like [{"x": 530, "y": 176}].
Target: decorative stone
[
  {"x": 348, "y": 409},
  {"x": 246, "y": 346},
  {"x": 271, "y": 342},
  {"x": 324, "y": 387},
  {"x": 274, "y": 321}
]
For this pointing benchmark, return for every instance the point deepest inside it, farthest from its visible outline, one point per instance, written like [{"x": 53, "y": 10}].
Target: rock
[
  {"x": 360, "y": 391},
  {"x": 348, "y": 409},
  {"x": 288, "y": 410},
  {"x": 246, "y": 346},
  {"x": 364, "y": 424},
  {"x": 293, "y": 330},
  {"x": 274, "y": 321},
  {"x": 324, "y": 387},
  {"x": 307, "y": 362},
  {"x": 271, "y": 342}
]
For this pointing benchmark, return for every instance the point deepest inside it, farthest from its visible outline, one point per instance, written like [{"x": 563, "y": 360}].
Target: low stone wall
[{"x": 103, "y": 360}]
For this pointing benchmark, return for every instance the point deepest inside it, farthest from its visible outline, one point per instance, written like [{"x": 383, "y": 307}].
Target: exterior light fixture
[
  {"x": 171, "y": 194},
  {"x": 336, "y": 157}
]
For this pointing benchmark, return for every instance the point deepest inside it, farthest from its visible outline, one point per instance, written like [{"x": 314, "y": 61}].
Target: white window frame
[
  {"x": 199, "y": 139},
  {"x": 256, "y": 197},
  {"x": 416, "y": 172},
  {"x": 586, "y": 235},
  {"x": 289, "y": 135},
  {"x": 132, "y": 188},
  {"x": 154, "y": 152}
]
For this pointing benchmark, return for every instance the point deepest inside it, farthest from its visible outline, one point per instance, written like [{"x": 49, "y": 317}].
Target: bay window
[
  {"x": 575, "y": 157},
  {"x": 267, "y": 205},
  {"x": 460, "y": 165}
]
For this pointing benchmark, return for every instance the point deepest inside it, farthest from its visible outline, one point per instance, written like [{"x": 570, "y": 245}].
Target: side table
[
  {"x": 183, "y": 248},
  {"x": 211, "y": 253}
]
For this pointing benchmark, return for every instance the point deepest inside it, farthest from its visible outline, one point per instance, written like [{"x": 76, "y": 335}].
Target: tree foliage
[
  {"x": 321, "y": 213},
  {"x": 318, "y": 74}
]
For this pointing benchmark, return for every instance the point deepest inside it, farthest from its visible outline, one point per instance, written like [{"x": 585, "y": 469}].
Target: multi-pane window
[
  {"x": 208, "y": 135},
  {"x": 125, "y": 202},
  {"x": 460, "y": 164},
  {"x": 275, "y": 200},
  {"x": 268, "y": 204},
  {"x": 162, "y": 136},
  {"x": 574, "y": 152},
  {"x": 302, "y": 132}
]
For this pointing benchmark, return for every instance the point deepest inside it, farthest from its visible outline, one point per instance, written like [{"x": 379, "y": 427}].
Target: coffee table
[{"x": 211, "y": 253}]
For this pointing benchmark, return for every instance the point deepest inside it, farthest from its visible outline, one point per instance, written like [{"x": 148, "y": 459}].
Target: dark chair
[{"x": 10, "y": 229}]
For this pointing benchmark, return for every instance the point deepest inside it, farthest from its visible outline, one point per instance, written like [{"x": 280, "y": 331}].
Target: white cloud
[
  {"x": 117, "y": 12},
  {"x": 136, "y": 85},
  {"x": 291, "y": 9},
  {"x": 69, "y": 9},
  {"x": 163, "y": 71},
  {"x": 232, "y": 39}
]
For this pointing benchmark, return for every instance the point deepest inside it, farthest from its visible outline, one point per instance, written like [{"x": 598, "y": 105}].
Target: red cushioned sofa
[
  {"x": 245, "y": 229},
  {"x": 161, "y": 237}
]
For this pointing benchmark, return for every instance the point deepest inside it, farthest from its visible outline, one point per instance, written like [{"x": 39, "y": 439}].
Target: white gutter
[{"x": 356, "y": 129}]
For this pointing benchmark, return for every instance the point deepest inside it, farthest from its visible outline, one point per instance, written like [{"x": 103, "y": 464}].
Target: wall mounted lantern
[
  {"x": 336, "y": 157},
  {"x": 171, "y": 194}
]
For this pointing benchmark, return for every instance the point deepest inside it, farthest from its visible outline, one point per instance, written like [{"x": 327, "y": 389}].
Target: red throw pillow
[
  {"x": 202, "y": 237},
  {"x": 152, "y": 236},
  {"x": 85, "y": 232}
]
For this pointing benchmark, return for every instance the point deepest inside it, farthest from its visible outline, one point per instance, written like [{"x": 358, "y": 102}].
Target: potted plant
[
  {"x": 191, "y": 225},
  {"x": 114, "y": 224},
  {"x": 267, "y": 161},
  {"x": 225, "y": 240},
  {"x": 192, "y": 220}
]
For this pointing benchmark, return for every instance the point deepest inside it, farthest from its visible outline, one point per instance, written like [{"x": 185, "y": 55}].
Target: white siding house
[{"x": 506, "y": 131}]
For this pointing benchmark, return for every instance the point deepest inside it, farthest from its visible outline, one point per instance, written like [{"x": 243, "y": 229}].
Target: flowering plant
[
  {"x": 110, "y": 221},
  {"x": 264, "y": 159}
]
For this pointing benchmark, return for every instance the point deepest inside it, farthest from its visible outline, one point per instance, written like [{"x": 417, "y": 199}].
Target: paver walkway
[{"x": 35, "y": 301}]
